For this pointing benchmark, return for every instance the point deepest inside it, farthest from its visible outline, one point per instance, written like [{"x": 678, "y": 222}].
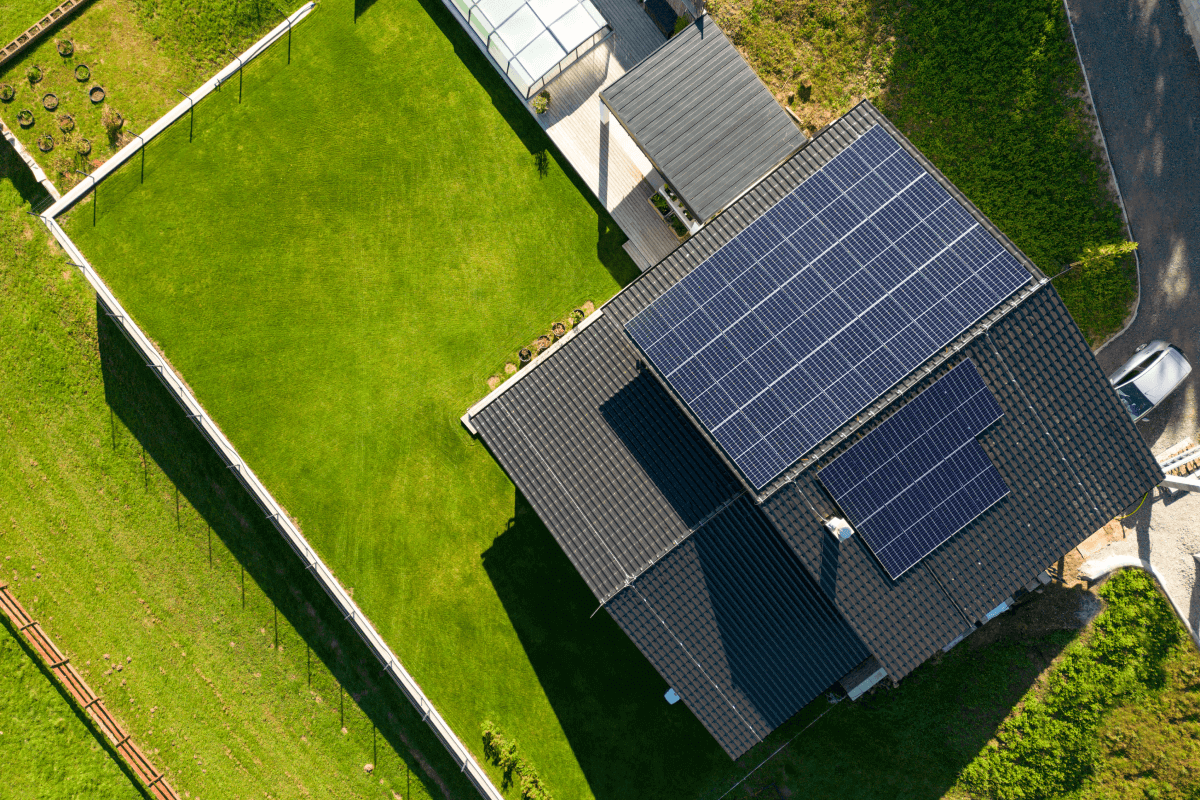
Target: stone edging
[{"x": 38, "y": 173}]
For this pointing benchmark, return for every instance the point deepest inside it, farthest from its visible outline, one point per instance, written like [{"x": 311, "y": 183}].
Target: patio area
[{"x": 601, "y": 152}]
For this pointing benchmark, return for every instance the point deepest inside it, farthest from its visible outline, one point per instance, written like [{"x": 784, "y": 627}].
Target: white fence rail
[{"x": 225, "y": 449}]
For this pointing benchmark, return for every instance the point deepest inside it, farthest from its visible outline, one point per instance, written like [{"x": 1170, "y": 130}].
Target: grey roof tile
[{"x": 735, "y": 625}]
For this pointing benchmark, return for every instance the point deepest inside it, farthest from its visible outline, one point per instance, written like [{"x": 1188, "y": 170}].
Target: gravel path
[
  {"x": 1164, "y": 533},
  {"x": 1145, "y": 79}
]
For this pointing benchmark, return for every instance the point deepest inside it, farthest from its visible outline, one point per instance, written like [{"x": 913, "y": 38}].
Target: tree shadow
[
  {"x": 360, "y": 8},
  {"x": 187, "y": 459},
  {"x": 517, "y": 115},
  {"x": 79, "y": 713}
]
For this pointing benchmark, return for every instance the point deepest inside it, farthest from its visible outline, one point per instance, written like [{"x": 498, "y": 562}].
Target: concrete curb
[
  {"x": 38, "y": 173},
  {"x": 1137, "y": 304}
]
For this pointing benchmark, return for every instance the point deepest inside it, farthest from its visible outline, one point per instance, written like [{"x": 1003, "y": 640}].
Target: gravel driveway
[{"x": 1145, "y": 78}]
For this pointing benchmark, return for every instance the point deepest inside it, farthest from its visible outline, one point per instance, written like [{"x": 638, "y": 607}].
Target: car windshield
[{"x": 1135, "y": 402}]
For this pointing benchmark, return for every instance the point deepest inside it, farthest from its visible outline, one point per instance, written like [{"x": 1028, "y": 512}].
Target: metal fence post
[{"x": 191, "y": 115}]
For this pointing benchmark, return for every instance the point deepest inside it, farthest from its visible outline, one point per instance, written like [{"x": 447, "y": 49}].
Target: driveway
[{"x": 1145, "y": 78}]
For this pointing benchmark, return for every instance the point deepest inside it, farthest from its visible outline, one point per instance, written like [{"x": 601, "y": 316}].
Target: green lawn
[
  {"x": 95, "y": 548},
  {"x": 17, "y": 15},
  {"x": 48, "y": 749}
]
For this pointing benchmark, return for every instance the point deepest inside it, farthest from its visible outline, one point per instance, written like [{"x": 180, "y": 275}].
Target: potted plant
[
  {"x": 66, "y": 123},
  {"x": 557, "y": 330},
  {"x": 577, "y": 316},
  {"x": 49, "y": 101},
  {"x": 45, "y": 143},
  {"x": 524, "y": 356},
  {"x": 65, "y": 48},
  {"x": 84, "y": 147},
  {"x": 541, "y": 103},
  {"x": 34, "y": 73},
  {"x": 25, "y": 118},
  {"x": 82, "y": 73},
  {"x": 7, "y": 92},
  {"x": 96, "y": 94}
]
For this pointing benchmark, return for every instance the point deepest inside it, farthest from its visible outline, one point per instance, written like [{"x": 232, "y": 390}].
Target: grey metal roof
[
  {"x": 1067, "y": 450},
  {"x": 736, "y": 626},
  {"x": 703, "y": 117}
]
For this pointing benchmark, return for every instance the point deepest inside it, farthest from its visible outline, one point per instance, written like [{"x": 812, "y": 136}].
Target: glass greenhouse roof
[{"x": 530, "y": 38}]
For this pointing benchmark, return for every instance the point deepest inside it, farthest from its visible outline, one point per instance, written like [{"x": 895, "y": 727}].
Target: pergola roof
[{"x": 703, "y": 117}]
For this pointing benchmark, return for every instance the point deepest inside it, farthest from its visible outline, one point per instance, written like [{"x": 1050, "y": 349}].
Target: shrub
[
  {"x": 541, "y": 103},
  {"x": 1047, "y": 748},
  {"x": 504, "y": 754}
]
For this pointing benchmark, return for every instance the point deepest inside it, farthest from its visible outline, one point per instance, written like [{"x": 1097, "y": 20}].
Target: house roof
[
  {"x": 668, "y": 538},
  {"x": 703, "y": 117}
]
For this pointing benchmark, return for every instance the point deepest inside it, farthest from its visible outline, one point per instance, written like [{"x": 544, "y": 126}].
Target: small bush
[
  {"x": 503, "y": 753},
  {"x": 541, "y": 103}
]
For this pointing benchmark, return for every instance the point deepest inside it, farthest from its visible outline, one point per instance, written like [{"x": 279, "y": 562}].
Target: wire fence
[{"x": 118, "y": 176}]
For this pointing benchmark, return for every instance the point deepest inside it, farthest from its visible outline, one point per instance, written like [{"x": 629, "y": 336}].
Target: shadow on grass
[
  {"x": 14, "y": 169},
  {"x": 159, "y": 424},
  {"x": 79, "y": 713},
  {"x": 609, "y": 235},
  {"x": 912, "y": 740}
]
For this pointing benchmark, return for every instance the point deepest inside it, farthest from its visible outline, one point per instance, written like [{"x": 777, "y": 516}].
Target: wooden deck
[{"x": 605, "y": 157}]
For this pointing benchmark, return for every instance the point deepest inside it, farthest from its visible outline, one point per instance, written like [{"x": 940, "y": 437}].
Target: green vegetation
[
  {"x": 991, "y": 93},
  {"x": 48, "y": 750},
  {"x": 17, "y": 15},
  {"x": 1049, "y": 746},
  {"x": 148, "y": 607},
  {"x": 142, "y": 54}
]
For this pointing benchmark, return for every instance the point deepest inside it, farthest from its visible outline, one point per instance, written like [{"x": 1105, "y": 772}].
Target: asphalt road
[{"x": 1145, "y": 78}]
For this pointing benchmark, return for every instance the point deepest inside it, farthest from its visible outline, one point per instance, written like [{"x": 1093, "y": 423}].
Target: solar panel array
[
  {"x": 920, "y": 477},
  {"x": 824, "y": 303}
]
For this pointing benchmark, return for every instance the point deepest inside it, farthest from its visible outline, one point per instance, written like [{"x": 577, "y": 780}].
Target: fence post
[{"x": 191, "y": 115}]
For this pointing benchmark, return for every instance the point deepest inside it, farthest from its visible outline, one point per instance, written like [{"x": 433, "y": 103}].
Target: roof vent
[{"x": 840, "y": 529}]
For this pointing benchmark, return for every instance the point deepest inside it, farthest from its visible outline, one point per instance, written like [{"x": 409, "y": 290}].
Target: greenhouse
[{"x": 533, "y": 41}]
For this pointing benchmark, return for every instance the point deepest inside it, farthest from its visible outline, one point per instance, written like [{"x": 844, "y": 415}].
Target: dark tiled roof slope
[
  {"x": 736, "y": 626},
  {"x": 1067, "y": 450},
  {"x": 703, "y": 117},
  {"x": 604, "y": 457}
]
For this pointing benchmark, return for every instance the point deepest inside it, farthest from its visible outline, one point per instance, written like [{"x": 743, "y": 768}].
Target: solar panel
[
  {"x": 825, "y": 302},
  {"x": 920, "y": 477}
]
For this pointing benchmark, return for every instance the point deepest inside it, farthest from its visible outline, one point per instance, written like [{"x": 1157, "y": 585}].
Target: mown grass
[
  {"x": 143, "y": 599},
  {"x": 991, "y": 93},
  {"x": 47, "y": 750},
  {"x": 142, "y": 53},
  {"x": 17, "y": 15}
]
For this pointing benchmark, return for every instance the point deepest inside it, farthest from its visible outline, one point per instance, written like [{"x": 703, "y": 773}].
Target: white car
[{"x": 1155, "y": 371}]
